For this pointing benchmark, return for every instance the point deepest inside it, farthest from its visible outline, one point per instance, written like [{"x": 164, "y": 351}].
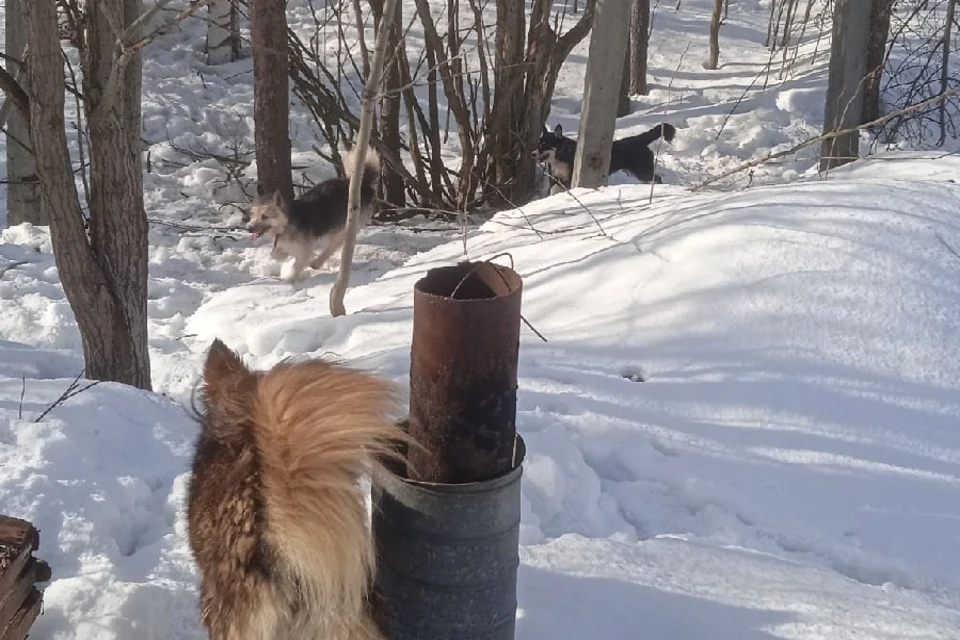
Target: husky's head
[
  {"x": 268, "y": 214},
  {"x": 550, "y": 142}
]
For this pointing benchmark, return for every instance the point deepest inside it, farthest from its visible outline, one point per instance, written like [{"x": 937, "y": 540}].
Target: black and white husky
[
  {"x": 316, "y": 218},
  {"x": 632, "y": 154}
]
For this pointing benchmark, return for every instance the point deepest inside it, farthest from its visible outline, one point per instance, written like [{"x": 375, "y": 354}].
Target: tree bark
[
  {"x": 223, "y": 32},
  {"x": 715, "y": 21},
  {"x": 623, "y": 103},
  {"x": 391, "y": 182},
  {"x": 104, "y": 277},
  {"x": 848, "y": 65},
  {"x": 639, "y": 44},
  {"x": 880, "y": 13},
  {"x": 455, "y": 105},
  {"x": 945, "y": 67},
  {"x": 601, "y": 93},
  {"x": 505, "y": 125},
  {"x": 24, "y": 203},
  {"x": 367, "y": 111},
  {"x": 546, "y": 52},
  {"x": 271, "y": 96}
]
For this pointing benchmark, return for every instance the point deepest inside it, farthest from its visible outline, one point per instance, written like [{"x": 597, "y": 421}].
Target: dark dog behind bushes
[{"x": 631, "y": 154}]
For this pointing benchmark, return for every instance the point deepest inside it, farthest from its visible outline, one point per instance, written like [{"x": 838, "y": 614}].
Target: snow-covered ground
[{"x": 744, "y": 425}]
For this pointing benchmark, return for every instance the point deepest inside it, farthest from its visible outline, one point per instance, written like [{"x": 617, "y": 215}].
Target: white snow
[{"x": 744, "y": 425}]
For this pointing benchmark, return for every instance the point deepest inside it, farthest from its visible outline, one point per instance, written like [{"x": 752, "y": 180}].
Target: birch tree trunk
[
  {"x": 367, "y": 111},
  {"x": 601, "y": 92},
  {"x": 24, "y": 203}
]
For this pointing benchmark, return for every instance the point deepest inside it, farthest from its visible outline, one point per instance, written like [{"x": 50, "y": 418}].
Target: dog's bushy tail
[
  {"x": 316, "y": 428},
  {"x": 371, "y": 168},
  {"x": 665, "y": 129}
]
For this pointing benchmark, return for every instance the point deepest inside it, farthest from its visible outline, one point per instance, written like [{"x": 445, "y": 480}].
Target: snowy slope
[{"x": 790, "y": 468}]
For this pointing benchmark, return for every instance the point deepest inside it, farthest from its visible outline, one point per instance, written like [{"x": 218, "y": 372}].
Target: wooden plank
[
  {"x": 11, "y": 566},
  {"x": 17, "y": 533},
  {"x": 11, "y": 600},
  {"x": 19, "y": 627},
  {"x": 20, "y": 601}
]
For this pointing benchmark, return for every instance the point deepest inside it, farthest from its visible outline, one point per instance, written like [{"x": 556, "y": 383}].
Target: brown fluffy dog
[{"x": 277, "y": 522}]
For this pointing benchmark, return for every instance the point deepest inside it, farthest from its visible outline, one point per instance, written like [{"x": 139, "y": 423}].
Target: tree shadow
[{"x": 561, "y": 605}]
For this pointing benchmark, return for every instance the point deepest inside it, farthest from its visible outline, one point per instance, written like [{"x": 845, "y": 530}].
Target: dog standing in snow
[
  {"x": 631, "y": 154},
  {"x": 277, "y": 523},
  {"x": 316, "y": 218}
]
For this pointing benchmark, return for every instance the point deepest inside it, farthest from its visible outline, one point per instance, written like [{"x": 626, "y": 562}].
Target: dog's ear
[
  {"x": 260, "y": 189},
  {"x": 278, "y": 199},
  {"x": 223, "y": 373},
  {"x": 545, "y": 129},
  {"x": 229, "y": 389},
  {"x": 558, "y": 130}
]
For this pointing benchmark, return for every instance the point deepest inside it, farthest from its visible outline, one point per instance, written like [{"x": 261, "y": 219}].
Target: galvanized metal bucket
[{"x": 447, "y": 555}]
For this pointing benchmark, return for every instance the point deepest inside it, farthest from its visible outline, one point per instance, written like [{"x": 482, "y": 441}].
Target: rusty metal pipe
[{"x": 463, "y": 372}]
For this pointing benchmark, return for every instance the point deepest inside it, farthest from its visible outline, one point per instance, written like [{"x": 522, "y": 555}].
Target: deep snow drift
[{"x": 790, "y": 467}]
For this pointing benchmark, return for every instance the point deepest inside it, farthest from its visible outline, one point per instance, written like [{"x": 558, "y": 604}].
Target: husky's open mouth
[{"x": 257, "y": 230}]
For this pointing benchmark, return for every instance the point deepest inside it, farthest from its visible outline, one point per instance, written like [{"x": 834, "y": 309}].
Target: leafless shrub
[{"x": 922, "y": 63}]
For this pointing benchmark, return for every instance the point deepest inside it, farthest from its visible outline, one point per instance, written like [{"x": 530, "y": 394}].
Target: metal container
[
  {"x": 447, "y": 555},
  {"x": 463, "y": 372}
]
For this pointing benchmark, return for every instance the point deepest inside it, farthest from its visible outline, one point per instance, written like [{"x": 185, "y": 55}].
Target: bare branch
[
  {"x": 16, "y": 94},
  {"x": 11, "y": 266},
  {"x": 72, "y": 390},
  {"x": 130, "y": 43}
]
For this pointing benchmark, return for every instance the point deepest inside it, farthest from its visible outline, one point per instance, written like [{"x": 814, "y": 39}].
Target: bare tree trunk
[
  {"x": 361, "y": 36},
  {"x": 433, "y": 130},
  {"x": 367, "y": 111},
  {"x": 715, "y": 21},
  {"x": 787, "y": 25},
  {"x": 623, "y": 104},
  {"x": 639, "y": 44},
  {"x": 546, "y": 52},
  {"x": 223, "y": 32},
  {"x": 806, "y": 21},
  {"x": 848, "y": 62},
  {"x": 104, "y": 277},
  {"x": 24, "y": 203},
  {"x": 271, "y": 96},
  {"x": 391, "y": 182},
  {"x": 455, "y": 101},
  {"x": 945, "y": 68},
  {"x": 781, "y": 6},
  {"x": 608, "y": 50},
  {"x": 770, "y": 40},
  {"x": 880, "y": 13},
  {"x": 506, "y": 118}
]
